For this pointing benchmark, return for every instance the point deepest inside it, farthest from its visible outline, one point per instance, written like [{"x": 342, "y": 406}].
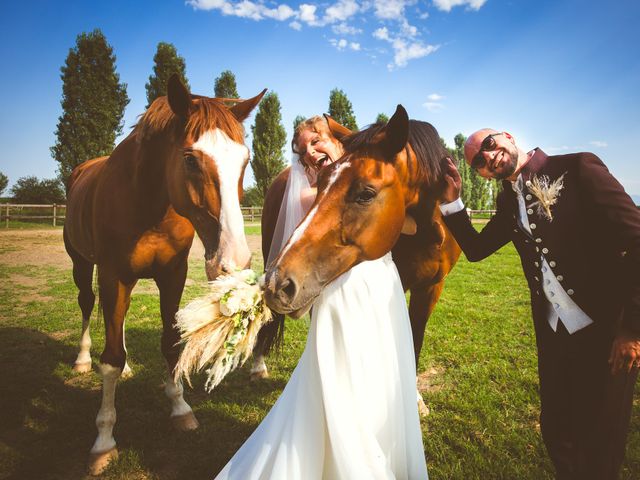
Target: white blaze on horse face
[
  {"x": 230, "y": 158},
  {"x": 297, "y": 233}
]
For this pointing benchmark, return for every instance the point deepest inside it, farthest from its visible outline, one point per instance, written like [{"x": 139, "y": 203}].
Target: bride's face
[{"x": 317, "y": 149}]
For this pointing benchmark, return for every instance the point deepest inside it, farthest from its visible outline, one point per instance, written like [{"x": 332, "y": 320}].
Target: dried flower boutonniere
[{"x": 547, "y": 193}]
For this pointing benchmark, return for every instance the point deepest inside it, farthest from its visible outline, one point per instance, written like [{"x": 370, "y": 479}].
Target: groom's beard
[{"x": 509, "y": 168}]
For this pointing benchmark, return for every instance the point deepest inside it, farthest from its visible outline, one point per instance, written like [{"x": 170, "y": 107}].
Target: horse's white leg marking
[
  {"x": 126, "y": 371},
  {"x": 258, "y": 367},
  {"x": 182, "y": 416},
  {"x": 423, "y": 409},
  {"x": 230, "y": 158},
  {"x": 106, "y": 418},
  {"x": 83, "y": 361}
]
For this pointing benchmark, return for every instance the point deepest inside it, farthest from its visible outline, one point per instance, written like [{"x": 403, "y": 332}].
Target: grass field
[{"x": 478, "y": 376}]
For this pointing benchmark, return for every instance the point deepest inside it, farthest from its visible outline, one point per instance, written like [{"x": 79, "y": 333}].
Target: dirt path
[{"x": 46, "y": 248}]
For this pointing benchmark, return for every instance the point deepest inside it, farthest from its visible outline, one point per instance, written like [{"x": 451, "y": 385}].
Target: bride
[{"x": 349, "y": 409}]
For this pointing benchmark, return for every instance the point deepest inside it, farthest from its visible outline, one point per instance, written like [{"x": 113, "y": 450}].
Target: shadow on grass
[{"x": 47, "y": 413}]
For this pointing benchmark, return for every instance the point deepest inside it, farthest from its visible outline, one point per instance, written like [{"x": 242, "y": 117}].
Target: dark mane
[
  {"x": 424, "y": 141},
  {"x": 207, "y": 114}
]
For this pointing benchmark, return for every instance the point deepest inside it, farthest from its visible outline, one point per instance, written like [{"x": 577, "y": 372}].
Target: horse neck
[
  {"x": 149, "y": 180},
  {"x": 421, "y": 192}
]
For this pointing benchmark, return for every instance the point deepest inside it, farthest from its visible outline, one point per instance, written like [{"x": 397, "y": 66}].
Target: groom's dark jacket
[{"x": 593, "y": 239}]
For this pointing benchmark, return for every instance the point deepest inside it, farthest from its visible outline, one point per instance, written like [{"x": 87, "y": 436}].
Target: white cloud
[
  {"x": 307, "y": 13},
  {"x": 245, "y": 9},
  {"x": 296, "y": 25},
  {"x": 390, "y": 9},
  {"x": 339, "y": 44},
  {"x": 434, "y": 97},
  {"x": 344, "y": 29},
  {"x": 598, "y": 143},
  {"x": 433, "y": 106},
  {"x": 447, "y": 5},
  {"x": 381, "y": 33},
  {"x": 340, "y": 11},
  {"x": 354, "y": 46},
  {"x": 405, "y": 51}
]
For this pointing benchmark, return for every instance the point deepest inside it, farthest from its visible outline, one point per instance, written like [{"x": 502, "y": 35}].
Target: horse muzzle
[{"x": 287, "y": 295}]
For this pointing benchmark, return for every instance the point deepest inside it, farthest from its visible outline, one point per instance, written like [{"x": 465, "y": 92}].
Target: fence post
[
  {"x": 7, "y": 219},
  {"x": 54, "y": 214}
]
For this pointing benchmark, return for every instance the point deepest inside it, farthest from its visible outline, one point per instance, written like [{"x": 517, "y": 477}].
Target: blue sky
[{"x": 561, "y": 75}]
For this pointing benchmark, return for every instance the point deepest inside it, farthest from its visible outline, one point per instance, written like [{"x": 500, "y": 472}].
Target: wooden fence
[{"x": 55, "y": 214}]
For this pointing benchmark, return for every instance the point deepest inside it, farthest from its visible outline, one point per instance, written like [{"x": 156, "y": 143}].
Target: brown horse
[
  {"x": 386, "y": 172},
  {"x": 133, "y": 215}
]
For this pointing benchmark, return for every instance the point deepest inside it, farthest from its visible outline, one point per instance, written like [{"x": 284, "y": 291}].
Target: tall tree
[
  {"x": 93, "y": 103},
  {"x": 225, "y": 85},
  {"x": 269, "y": 138},
  {"x": 30, "y": 190},
  {"x": 166, "y": 62},
  {"x": 4, "y": 181},
  {"x": 382, "y": 118},
  {"x": 341, "y": 110},
  {"x": 297, "y": 121}
]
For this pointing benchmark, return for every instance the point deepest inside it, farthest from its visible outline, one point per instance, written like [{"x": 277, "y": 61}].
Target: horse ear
[
  {"x": 242, "y": 110},
  {"x": 178, "y": 96},
  {"x": 337, "y": 130},
  {"x": 396, "y": 132}
]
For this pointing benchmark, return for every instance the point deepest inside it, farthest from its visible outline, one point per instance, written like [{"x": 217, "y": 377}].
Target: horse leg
[
  {"x": 83, "y": 278},
  {"x": 171, "y": 284},
  {"x": 115, "y": 297},
  {"x": 268, "y": 338},
  {"x": 421, "y": 305}
]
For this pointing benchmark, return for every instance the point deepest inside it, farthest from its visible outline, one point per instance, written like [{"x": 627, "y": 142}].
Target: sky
[{"x": 560, "y": 75}]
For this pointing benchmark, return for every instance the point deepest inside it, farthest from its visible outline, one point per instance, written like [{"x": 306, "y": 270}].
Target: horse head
[
  {"x": 204, "y": 174},
  {"x": 357, "y": 215}
]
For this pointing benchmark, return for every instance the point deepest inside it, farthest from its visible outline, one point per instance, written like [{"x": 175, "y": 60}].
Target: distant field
[{"x": 478, "y": 375}]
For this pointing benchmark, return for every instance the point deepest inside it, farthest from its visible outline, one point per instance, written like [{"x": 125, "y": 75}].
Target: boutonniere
[{"x": 547, "y": 193}]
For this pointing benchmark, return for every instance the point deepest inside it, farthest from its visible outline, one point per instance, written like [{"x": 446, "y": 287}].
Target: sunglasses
[{"x": 488, "y": 145}]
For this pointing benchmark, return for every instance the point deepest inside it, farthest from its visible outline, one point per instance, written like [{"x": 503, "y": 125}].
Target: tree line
[{"x": 94, "y": 100}]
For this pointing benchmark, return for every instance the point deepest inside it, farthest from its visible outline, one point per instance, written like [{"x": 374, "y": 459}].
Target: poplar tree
[
  {"x": 225, "y": 86},
  {"x": 382, "y": 118},
  {"x": 297, "y": 121},
  {"x": 4, "y": 181},
  {"x": 166, "y": 62},
  {"x": 93, "y": 103},
  {"x": 269, "y": 137},
  {"x": 341, "y": 110}
]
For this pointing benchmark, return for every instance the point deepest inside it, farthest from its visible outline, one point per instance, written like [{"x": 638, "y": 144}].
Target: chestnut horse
[
  {"x": 386, "y": 172},
  {"x": 133, "y": 215}
]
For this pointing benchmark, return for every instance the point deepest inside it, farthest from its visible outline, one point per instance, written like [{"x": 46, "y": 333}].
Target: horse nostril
[{"x": 287, "y": 290}]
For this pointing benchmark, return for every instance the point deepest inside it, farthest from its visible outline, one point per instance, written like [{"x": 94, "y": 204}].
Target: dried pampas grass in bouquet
[{"x": 221, "y": 328}]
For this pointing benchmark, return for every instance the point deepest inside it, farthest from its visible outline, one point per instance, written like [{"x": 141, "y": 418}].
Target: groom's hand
[
  {"x": 454, "y": 183},
  {"x": 625, "y": 352}
]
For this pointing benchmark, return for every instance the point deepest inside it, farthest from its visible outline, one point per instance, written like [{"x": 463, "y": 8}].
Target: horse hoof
[
  {"x": 423, "y": 408},
  {"x": 259, "y": 375},
  {"x": 126, "y": 372},
  {"x": 82, "y": 367},
  {"x": 185, "y": 423},
  {"x": 99, "y": 461}
]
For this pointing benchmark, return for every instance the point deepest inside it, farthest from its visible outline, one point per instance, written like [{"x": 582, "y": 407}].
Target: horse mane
[
  {"x": 423, "y": 139},
  {"x": 205, "y": 114}
]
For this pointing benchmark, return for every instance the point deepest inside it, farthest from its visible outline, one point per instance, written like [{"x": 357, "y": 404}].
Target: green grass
[{"x": 480, "y": 340}]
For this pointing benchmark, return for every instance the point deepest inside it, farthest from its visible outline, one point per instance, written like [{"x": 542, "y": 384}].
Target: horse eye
[
  {"x": 366, "y": 196},
  {"x": 191, "y": 162}
]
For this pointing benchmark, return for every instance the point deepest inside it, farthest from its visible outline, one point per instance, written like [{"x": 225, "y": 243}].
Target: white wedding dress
[{"x": 349, "y": 410}]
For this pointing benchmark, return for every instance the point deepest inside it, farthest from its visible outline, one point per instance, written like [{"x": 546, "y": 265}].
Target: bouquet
[{"x": 221, "y": 328}]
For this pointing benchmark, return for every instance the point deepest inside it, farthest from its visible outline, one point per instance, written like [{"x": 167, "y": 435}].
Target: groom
[{"x": 578, "y": 235}]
